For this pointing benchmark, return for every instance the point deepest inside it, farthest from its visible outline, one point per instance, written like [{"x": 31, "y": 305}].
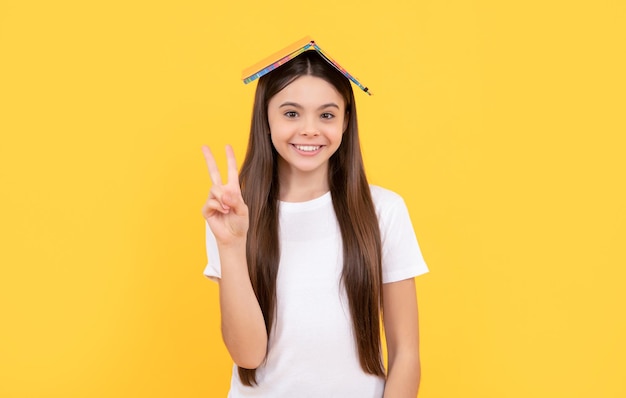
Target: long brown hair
[{"x": 352, "y": 202}]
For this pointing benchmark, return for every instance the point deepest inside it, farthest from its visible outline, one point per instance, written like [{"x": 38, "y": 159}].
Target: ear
[{"x": 346, "y": 118}]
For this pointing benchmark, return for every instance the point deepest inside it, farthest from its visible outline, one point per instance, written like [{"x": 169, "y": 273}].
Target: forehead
[{"x": 308, "y": 91}]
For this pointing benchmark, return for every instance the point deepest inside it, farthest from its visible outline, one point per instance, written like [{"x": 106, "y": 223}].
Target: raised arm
[
  {"x": 402, "y": 334},
  {"x": 243, "y": 326}
]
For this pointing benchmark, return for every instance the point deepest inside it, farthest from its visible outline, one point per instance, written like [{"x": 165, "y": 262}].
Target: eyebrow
[{"x": 296, "y": 105}]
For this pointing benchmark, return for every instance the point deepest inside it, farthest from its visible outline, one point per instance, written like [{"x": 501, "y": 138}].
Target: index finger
[
  {"x": 233, "y": 175},
  {"x": 214, "y": 172}
]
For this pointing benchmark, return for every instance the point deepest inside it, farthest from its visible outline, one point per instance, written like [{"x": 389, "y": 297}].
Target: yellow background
[{"x": 501, "y": 123}]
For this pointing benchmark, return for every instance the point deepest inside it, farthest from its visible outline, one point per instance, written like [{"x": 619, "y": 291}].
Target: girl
[{"x": 308, "y": 255}]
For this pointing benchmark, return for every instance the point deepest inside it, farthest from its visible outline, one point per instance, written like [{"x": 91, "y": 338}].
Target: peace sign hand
[{"x": 225, "y": 210}]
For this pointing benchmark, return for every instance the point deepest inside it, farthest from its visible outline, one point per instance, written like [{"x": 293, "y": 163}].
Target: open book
[{"x": 288, "y": 53}]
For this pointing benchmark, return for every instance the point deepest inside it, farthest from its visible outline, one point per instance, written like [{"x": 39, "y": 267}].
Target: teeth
[{"x": 307, "y": 148}]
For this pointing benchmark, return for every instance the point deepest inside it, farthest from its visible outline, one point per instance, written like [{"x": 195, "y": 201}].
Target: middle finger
[{"x": 233, "y": 176}]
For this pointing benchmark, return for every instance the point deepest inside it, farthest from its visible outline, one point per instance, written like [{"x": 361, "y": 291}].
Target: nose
[
  {"x": 310, "y": 133},
  {"x": 310, "y": 129}
]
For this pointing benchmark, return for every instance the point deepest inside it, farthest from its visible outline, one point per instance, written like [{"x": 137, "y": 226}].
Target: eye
[
  {"x": 291, "y": 114},
  {"x": 327, "y": 115}
]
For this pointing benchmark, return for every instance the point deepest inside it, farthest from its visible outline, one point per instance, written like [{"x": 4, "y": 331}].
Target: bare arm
[
  {"x": 402, "y": 333},
  {"x": 243, "y": 325}
]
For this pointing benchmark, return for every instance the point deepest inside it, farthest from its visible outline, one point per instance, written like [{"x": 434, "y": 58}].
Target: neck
[{"x": 296, "y": 186}]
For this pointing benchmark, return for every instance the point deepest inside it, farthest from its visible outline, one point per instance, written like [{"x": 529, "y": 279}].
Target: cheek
[
  {"x": 274, "y": 125},
  {"x": 276, "y": 129},
  {"x": 335, "y": 136},
  {"x": 274, "y": 119}
]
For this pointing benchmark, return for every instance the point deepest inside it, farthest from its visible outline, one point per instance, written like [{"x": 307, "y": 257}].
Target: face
[{"x": 307, "y": 121}]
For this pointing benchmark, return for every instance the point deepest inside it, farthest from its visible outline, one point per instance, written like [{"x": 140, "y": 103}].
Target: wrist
[
  {"x": 233, "y": 252},
  {"x": 233, "y": 245}
]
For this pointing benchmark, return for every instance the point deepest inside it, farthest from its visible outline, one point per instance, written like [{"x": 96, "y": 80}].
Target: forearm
[
  {"x": 403, "y": 377},
  {"x": 243, "y": 325}
]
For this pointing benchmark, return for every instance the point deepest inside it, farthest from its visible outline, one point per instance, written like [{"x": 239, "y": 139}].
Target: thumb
[{"x": 234, "y": 202}]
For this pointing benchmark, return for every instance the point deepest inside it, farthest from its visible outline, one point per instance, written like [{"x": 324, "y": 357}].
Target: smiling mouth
[{"x": 307, "y": 148}]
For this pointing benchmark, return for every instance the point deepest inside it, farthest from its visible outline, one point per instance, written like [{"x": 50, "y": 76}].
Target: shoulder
[
  {"x": 390, "y": 207},
  {"x": 401, "y": 255},
  {"x": 384, "y": 198}
]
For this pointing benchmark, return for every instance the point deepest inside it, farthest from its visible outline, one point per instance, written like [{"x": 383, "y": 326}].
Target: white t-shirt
[{"x": 311, "y": 350}]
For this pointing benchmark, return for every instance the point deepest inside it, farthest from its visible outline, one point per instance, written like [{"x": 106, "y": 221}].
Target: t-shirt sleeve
[
  {"x": 401, "y": 254},
  {"x": 213, "y": 269}
]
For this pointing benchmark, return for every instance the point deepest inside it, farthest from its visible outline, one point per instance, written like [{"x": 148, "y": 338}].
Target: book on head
[{"x": 288, "y": 53}]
